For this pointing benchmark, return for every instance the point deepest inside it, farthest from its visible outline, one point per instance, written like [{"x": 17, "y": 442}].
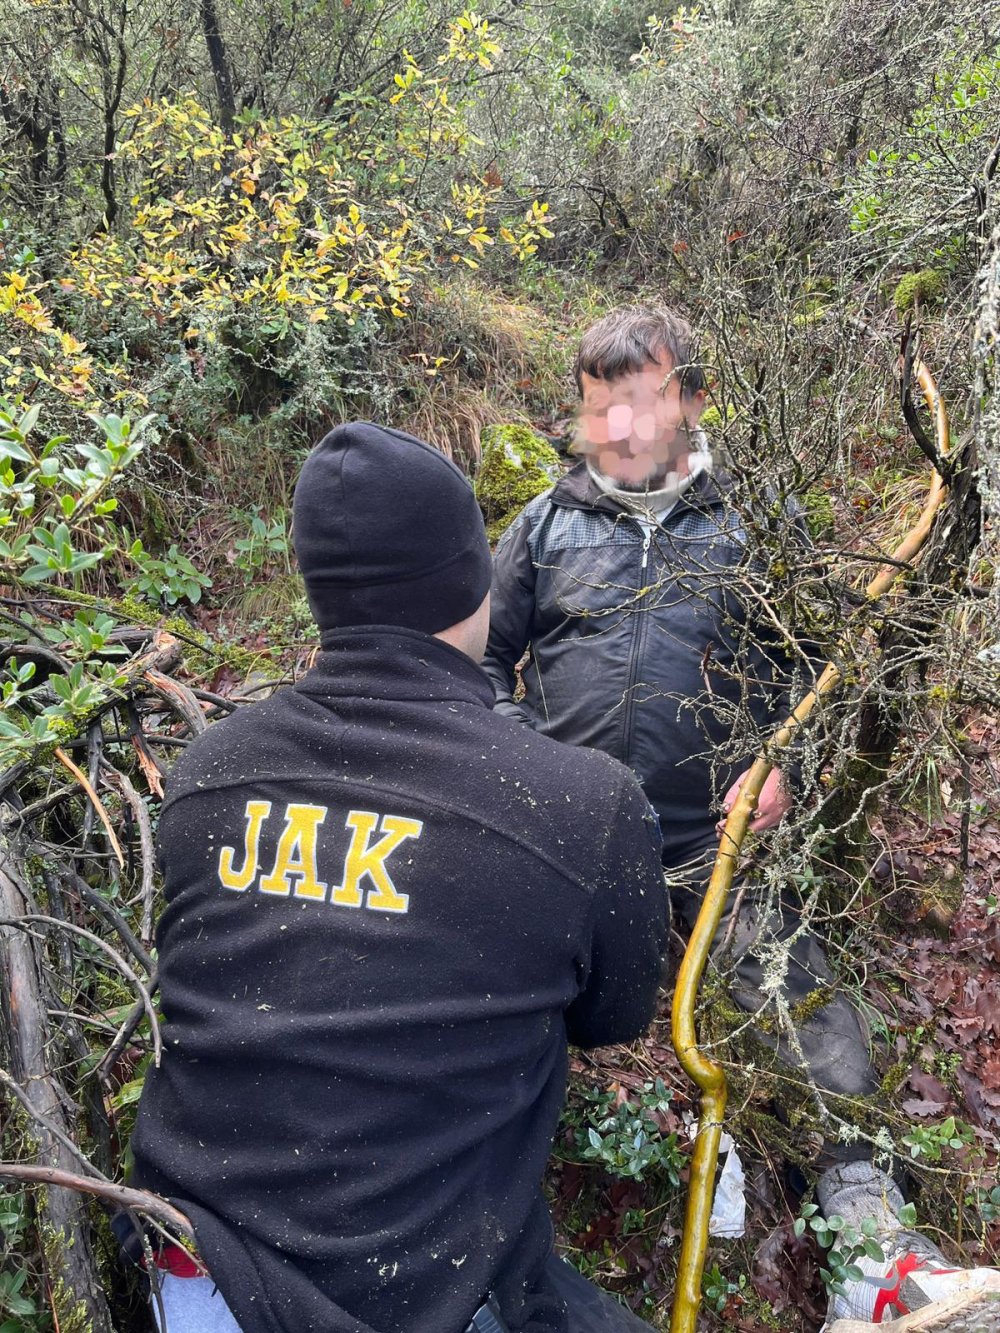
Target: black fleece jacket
[
  {"x": 387, "y": 910},
  {"x": 647, "y": 642}
]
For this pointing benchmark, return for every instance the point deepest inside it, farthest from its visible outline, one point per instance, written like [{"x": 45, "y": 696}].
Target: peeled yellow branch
[
  {"x": 710, "y": 1076},
  {"x": 95, "y": 800}
]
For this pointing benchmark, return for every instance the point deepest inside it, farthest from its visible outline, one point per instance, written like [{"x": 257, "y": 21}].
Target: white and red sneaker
[
  {"x": 915, "y": 1280},
  {"x": 912, "y": 1288}
]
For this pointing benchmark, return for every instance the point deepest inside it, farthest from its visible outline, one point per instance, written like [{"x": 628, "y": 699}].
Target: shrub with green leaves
[
  {"x": 845, "y": 1244},
  {"x": 56, "y": 534},
  {"x": 20, "y": 1310},
  {"x": 624, "y": 1135},
  {"x": 929, "y": 1142},
  {"x": 937, "y": 154}
]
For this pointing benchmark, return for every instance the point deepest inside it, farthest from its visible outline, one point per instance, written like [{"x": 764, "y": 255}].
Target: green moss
[
  {"x": 893, "y": 1079},
  {"x": 810, "y": 310},
  {"x": 810, "y": 1005},
  {"x": 711, "y": 418},
  {"x": 761, "y": 1311},
  {"x": 516, "y": 466},
  {"x": 819, "y": 513},
  {"x": 71, "y": 1313},
  {"x": 923, "y": 288},
  {"x": 767, "y": 1099}
]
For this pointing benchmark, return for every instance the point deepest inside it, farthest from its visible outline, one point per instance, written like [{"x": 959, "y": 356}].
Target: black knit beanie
[{"x": 387, "y": 531}]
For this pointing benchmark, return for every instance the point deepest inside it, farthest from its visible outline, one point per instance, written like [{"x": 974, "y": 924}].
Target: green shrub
[{"x": 625, "y": 1136}]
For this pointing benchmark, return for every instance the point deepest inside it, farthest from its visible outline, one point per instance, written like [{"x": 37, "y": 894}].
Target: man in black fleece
[{"x": 388, "y": 910}]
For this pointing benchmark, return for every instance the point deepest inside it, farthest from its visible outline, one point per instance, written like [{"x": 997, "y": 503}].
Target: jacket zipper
[{"x": 647, "y": 538}]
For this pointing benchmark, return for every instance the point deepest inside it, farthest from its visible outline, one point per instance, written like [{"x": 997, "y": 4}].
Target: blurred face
[{"x": 636, "y": 430}]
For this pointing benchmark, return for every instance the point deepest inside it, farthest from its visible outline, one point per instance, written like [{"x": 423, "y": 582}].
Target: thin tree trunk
[
  {"x": 112, "y": 103},
  {"x": 69, "y": 1260},
  {"x": 219, "y": 60}
]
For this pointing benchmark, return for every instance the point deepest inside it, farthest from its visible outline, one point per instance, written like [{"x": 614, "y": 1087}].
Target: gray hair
[{"x": 629, "y": 338}]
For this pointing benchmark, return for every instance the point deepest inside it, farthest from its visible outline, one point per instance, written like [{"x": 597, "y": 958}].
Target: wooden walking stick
[{"x": 710, "y": 1076}]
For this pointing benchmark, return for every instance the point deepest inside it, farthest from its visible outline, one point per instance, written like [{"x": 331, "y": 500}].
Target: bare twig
[
  {"x": 141, "y": 1201},
  {"x": 95, "y": 745},
  {"x": 46, "y": 803},
  {"x": 84, "y": 782},
  {"x": 117, "y": 922},
  {"x": 15, "y": 1089},
  {"x": 132, "y": 1020},
  {"x": 140, "y": 814},
  {"x": 22, "y": 923}
]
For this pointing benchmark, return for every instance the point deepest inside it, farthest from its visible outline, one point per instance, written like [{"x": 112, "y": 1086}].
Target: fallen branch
[
  {"x": 140, "y": 814},
  {"x": 139, "y": 1201},
  {"x": 32, "y": 918},
  {"x": 95, "y": 801},
  {"x": 179, "y": 698},
  {"x": 69, "y": 1259},
  {"x": 16, "y": 1091},
  {"x": 115, "y": 919},
  {"x": 132, "y": 1020}
]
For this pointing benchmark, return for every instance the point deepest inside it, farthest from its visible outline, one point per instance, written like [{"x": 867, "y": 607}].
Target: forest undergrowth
[{"x": 217, "y": 240}]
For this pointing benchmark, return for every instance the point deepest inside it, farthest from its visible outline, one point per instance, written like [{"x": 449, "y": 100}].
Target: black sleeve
[
  {"x": 512, "y": 606},
  {"x": 630, "y": 930}
]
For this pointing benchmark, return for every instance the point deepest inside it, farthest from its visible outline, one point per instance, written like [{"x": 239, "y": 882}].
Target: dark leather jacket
[{"x": 649, "y": 643}]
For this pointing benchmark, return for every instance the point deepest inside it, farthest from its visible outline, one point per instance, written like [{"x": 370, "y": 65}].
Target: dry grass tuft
[{"x": 468, "y": 356}]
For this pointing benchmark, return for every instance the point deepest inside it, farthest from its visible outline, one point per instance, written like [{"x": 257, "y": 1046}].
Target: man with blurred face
[
  {"x": 574, "y": 572},
  {"x": 639, "y": 432},
  {"x": 624, "y": 583}
]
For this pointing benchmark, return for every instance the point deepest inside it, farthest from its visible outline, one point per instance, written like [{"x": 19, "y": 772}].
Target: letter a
[
  {"x": 363, "y": 860},
  {"x": 297, "y": 854},
  {"x": 240, "y": 880}
]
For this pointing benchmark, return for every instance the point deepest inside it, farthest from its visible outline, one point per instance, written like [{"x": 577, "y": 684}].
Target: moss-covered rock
[
  {"x": 516, "y": 465},
  {"x": 925, "y": 288}
]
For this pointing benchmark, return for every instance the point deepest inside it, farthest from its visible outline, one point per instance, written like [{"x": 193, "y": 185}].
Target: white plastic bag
[{"x": 729, "y": 1207}]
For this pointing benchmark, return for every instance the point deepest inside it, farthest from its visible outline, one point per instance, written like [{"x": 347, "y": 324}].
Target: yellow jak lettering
[
  {"x": 240, "y": 880},
  {"x": 364, "y": 860},
  {"x": 296, "y": 856}
]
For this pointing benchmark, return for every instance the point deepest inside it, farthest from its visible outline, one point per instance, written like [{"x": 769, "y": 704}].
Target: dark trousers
[
  {"x": 195, "y": 1305},
  {"x": 833, "y": 1041},
  {"x": 588, "y": 1309}
]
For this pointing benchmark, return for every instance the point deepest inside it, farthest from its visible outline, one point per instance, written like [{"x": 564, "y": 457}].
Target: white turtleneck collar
[{"x": 656, "y": 505}]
